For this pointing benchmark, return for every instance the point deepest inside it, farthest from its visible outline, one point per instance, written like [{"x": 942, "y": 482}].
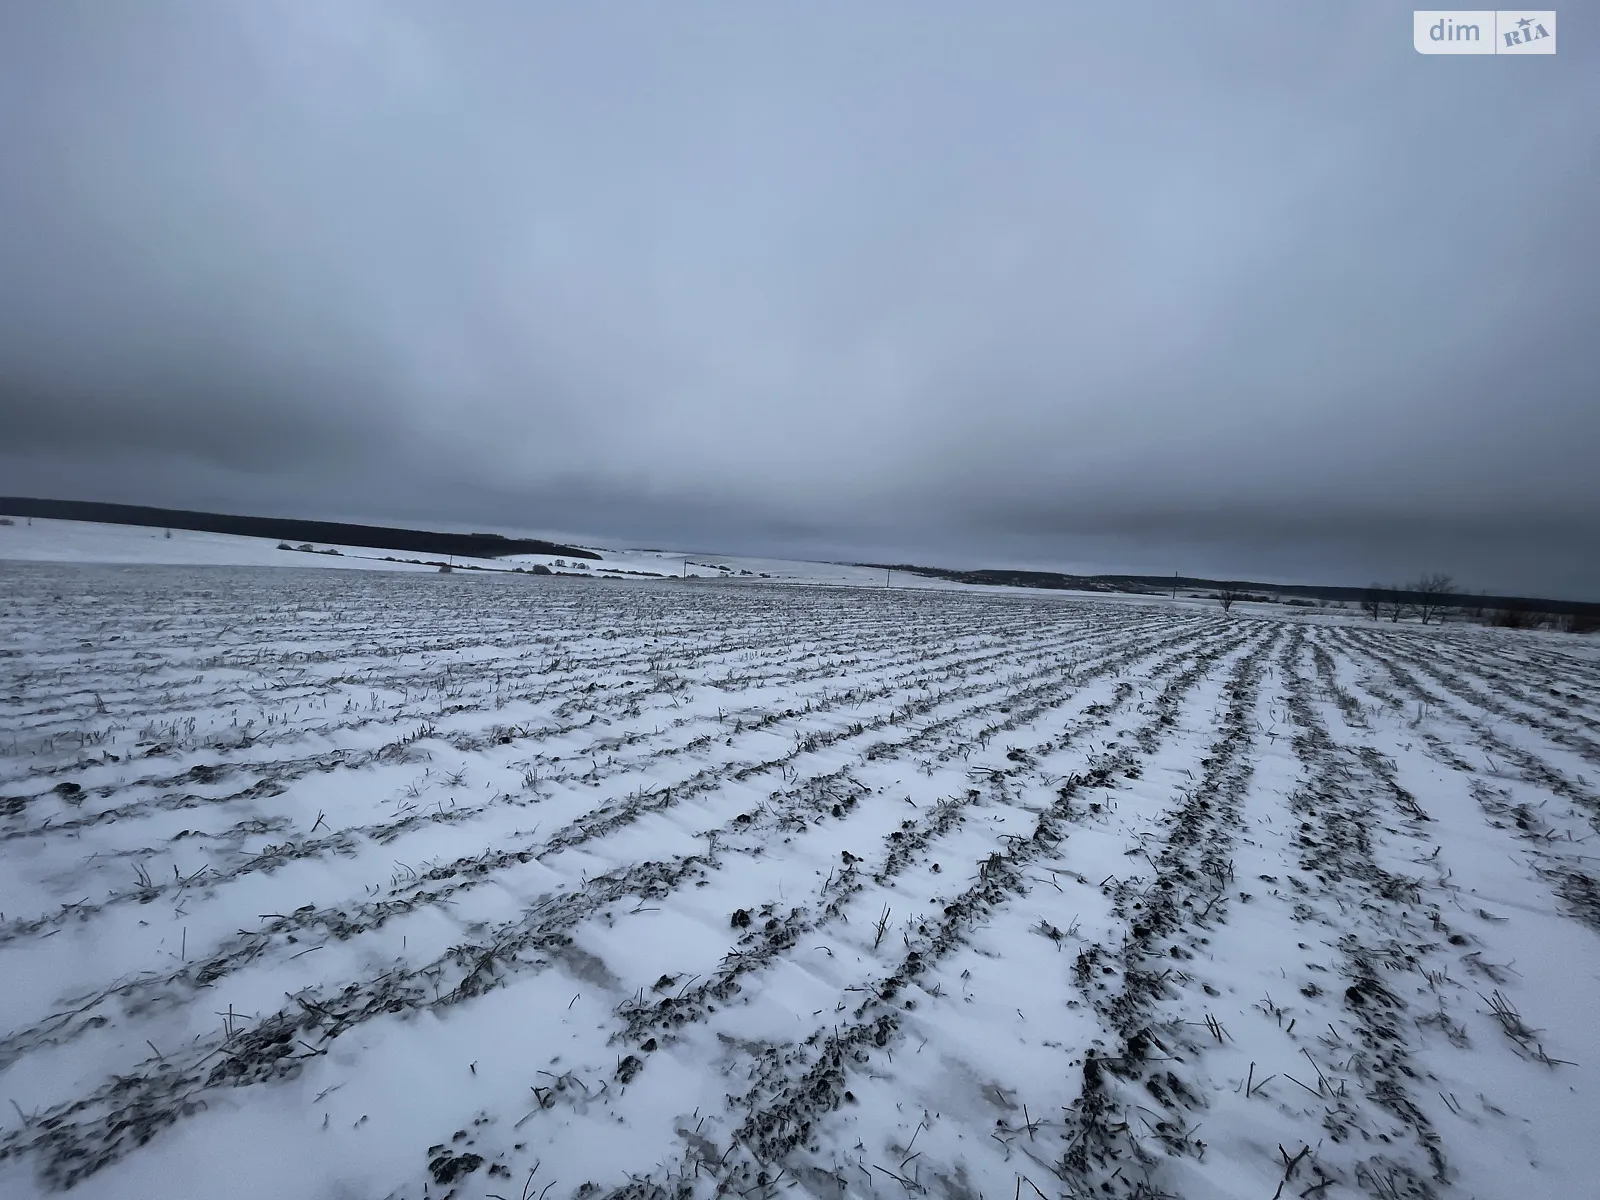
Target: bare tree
[
  {"x": 1226, "y": 596},
  {"x": 1372, "y": 602},
  {"x": 1395, "y": 604},
  {"x": 1432, "y": 596}
]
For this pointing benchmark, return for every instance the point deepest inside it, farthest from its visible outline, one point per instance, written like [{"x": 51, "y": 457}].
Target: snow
[
  {"x": 337, "y": 884},
  {"x": 42, "y": 540}
]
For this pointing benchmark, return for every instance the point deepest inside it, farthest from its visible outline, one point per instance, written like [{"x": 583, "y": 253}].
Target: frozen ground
[
  {"x": 44, "y": 540},
  {"x": 92, "y": 542},
  {"x": 775, "y": 891}
]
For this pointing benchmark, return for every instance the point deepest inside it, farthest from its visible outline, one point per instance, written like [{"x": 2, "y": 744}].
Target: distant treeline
[
  {"x": 379, "y": 537},
  {"x": 1157, "y": 584}
]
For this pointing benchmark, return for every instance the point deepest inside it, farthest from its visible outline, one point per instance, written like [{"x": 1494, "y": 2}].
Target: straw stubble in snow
[{"x": 328, "y": 884}]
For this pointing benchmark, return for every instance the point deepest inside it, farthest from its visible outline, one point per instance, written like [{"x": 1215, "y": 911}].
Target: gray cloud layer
[{"x": 1251, "y": 289}]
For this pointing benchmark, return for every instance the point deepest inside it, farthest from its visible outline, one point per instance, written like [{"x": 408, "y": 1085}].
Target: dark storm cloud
[{"x": 1245, "y": 289}]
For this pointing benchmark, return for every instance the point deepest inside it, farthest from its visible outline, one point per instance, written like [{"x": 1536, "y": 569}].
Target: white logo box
[{"x": 1484, "y": 31}]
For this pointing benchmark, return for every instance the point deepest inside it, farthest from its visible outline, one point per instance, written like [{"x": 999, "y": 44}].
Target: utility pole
[
  {"x": 1174, "y": 585},
  {"x": 887, "y": 571}
]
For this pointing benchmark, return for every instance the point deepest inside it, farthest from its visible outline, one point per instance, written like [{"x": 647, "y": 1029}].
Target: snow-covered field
[
  {"x": 769, "y": 891},
  {"x": 44, "y": 540}
]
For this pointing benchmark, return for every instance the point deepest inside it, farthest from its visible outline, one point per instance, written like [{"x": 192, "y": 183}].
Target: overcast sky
[{"x": 1239, "y": 289}]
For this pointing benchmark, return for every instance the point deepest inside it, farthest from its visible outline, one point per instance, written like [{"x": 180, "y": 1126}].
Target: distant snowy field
[
  {"x": 92, "y": 542},
  {"x": 87, "y": 541},
  {"x": 345, "y": 884}
]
